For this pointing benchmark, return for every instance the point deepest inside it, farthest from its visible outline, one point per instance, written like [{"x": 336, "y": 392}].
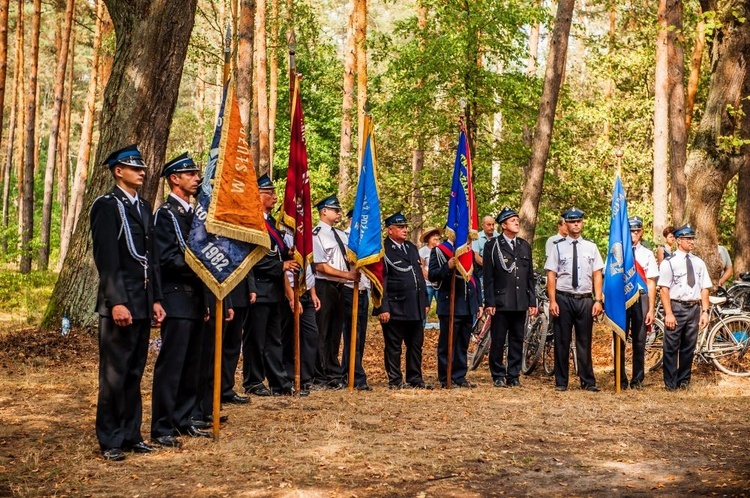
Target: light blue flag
[
  {"x": 365, "y": 247},
  {"x": 620, "y": 275}
]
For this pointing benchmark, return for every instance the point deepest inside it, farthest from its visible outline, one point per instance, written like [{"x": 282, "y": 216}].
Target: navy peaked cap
[
  {"x": 179, "y": 164},
  {"x": 330, "y": 202},
  {"x": 635, "y": 222},
  {"x": 505, "y": 214},
  {"x": 685, "y": 231},
  {"x": 573, "y": 214},
  {"x": 265, "y": 182},
  {"x": 396, "y": 219},
  {"x": 128, "y": 156}
]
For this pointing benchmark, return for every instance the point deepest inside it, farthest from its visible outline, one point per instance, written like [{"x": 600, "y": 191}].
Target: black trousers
[
  {"x": 204, "y": 406},
  {"x": 308, "y": 339},
  {"x": 231, "y": 348},
  {"x": 411, "y": 334},
  {"x": 461, "y": 333},
  {"x": 176, "y": 375},
  {"x": 636, "y": 329},
  {"x": 510, "y": 325},
  {"x": 263, "y": 353},
  {"x": 679, "y": 345},
  {"x": 574, "y": 313},
  {"x": 122, "y": 359},
  {"x": 330, "y": 320},
  {"x": 363, "y": 303}
]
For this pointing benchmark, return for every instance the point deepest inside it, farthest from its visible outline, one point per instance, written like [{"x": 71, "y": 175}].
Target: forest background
[{"x": 632, "y": 69}]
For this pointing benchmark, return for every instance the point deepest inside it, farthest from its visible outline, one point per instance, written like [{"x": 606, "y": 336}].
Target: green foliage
[{"x": 25, "y": 295}]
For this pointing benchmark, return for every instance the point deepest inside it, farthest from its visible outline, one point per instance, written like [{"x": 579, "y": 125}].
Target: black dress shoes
[
  {"x": 223, "y": 419},
  {"x": 636, "y": 385},
  {"x": 499, "y": 383},
  {"x": 235, "y": 399},
  {"x": 363, "y": 387},
  {"x": 561, "y": 388},
  {"x": 193, "y": 431},
  {"x": 168, "y": 441},
  {"x": 258, "y": 390},
  {"x": 335, "y": 385},
  {"x": 141, "y": 448},
  {"x": 113, "y": 454},
  {"x": 466, "y": 384},
  {"x": 513, "y": 383},
  {"x": 282, "y": 392},
  {"x": 421, "y": 385},
  {"x": 592, "y": 389},
  {"x": 201, "y": 424}
]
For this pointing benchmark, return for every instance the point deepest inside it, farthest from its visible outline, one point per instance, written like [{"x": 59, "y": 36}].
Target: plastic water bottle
[{"x": 65, "y": 325}]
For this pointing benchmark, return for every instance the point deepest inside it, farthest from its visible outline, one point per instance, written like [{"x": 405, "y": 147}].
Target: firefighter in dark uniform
[
  {"x": 128, "y": 298},
  {"x": 467, "y": 307},
  {"x": 404, "y": 306},
  {"x": 262, "y": 343},
  {"x": 176, "y": 372},
  {"x": 684, "y": 282},
  {"x": 241, "y": 297},
  {"x": 509, "y": 293},
  {"x": 574, "y": 285}
]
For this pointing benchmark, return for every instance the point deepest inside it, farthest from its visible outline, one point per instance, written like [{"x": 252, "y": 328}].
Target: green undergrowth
[{"x": 23, "y": 298}]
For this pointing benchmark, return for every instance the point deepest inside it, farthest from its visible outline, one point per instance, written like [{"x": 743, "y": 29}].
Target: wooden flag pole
[
  {"x": 219, "y": 317},
  {"x": 618, "y": 360},
  {"x": 449, "y": 371},
  {"x": 353, "y": 335},
  {"x": 297, "y": 361}
]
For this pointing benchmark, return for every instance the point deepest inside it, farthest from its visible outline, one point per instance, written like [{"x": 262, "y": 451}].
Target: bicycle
[
  {"x": 739, "y": 291},
  {"x": 725, "y": 342},
  {"x": 479, "y": 342}
]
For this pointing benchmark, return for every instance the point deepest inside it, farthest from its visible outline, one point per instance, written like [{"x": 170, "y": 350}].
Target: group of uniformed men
[{"x": 143, "y": 276}]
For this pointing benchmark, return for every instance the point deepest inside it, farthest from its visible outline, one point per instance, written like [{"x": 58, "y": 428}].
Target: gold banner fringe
[{"x": 221, "y": 290}]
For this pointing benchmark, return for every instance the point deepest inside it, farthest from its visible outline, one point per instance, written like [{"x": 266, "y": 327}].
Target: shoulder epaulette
[
  {"x": 559, "y": 240},
  {"x": 316, "y": 230},
  {"x": 670, "y": 256}
]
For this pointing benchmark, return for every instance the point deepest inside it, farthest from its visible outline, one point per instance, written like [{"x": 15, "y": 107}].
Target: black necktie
[
  {"x": 575, "y": 264},
  {"x": 513, "y": 245},
  {"x": 190, "y": 216},
  {"x": 690, "y": 272},
  {"x": 341, "y": 247},
  {"x": 403, "y": 248}
]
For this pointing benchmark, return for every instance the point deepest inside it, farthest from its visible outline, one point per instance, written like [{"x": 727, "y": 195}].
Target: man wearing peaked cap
[
  {"x": 509, "y": 293},
  {"x": 265, "y": 182},
  {"x": 330, "y": 202},
  {"x": 684, "y": 283},
  {"x": 128, "y": 298},
  {"x": 176, "y": 372},
  {"x": 641, "y": 314},
  {"x": 403, "y": 307},
  {"x": 574, "y": 285}
]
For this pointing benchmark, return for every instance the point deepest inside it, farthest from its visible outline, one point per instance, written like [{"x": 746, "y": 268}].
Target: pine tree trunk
[
  {"x": 21, "y": 115},
  {"x": 741, "y": 240},
  {"x": 8, "y": 165},
  {"x": 677, "y": 127},
  {"x": 49, "y": 172},
  {"x": 27, "y": 230},
  {"x": 245, "y": 63},
  {"x": 533, "y": 46},
  {"x": 661, "y": 126},
  {"x": 350, "y": 63},
  {"x": 532, "y": 188},
  {"x": 273, "y": 80},
  {"x": 135, "y": 110},
  {"x": 417, "y": 199},
  {"x": 713, "y": 161},
  {"x": 361, "y": 47},
  {"x": 261, "y": 85},
  {"x": 63, "y": 171},
  {"x": 695, "y": 72},
  {"x": 84, "y": 146},
  {"x": 4, "y": 4}
]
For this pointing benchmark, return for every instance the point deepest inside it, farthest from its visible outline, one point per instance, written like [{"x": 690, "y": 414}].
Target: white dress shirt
[
  {"x": 561, "y": 262},
  {"x": 673, "y": 275}
]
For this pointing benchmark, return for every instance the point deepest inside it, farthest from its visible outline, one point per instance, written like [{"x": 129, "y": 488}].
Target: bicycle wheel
[
  {"x": 654, "y": 346},
  {"x": 728, "y": 346},
  {"x": 479, "y": 343},
  {"x": 548, "y": 355},
  {"x": 533, "y": 343},
  {"x": 741, "y": 294},
  {"x": 574, "y": 353}
]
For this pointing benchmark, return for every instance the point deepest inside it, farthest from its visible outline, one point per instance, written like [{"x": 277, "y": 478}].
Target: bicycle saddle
[{"x": 717, "y": 300}]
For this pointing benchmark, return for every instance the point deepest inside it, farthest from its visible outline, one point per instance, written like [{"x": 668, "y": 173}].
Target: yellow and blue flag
[{"x": 621, "y": 278}]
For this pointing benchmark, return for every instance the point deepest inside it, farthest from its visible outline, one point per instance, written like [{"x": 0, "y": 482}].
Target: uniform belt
[
  {"x": 338, "y": 285},
  {"x": 687, "y": 304},
  {"x": 573, "y": 295}
]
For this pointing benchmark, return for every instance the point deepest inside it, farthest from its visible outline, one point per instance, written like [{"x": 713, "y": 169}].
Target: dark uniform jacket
[
  {"x": 182, "y": 289},
  {"x": 269, "y": 273},
  {"x": 240, "y": 295},
  {"x": 404, "y": 288},
  {"x": 468, "y": 294},
  {"x": 508, "y": 291},
  {"x": 121, "y": 276}
]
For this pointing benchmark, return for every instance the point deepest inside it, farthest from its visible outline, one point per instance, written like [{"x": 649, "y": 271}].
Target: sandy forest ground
[{"x": 480, "y": 442}]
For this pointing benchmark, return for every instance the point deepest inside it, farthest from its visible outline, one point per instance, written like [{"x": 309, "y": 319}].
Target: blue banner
[
  {"x": 220, "y": 262},
  {"x": 458, "y": 226},
  {"x": 620, "y": 276}
]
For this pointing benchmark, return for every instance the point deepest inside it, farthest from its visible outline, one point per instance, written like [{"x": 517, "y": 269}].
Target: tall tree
[
  {"x": 84, "y": 146},
  {"x": 347, "y": 106},
  {"x": 21, "y": 114},
  {"x": 361, "y": 47},
  {"x": 534, "y": 177},
  {"x": 661, "y": 125},
  {"x": 273, "y": 79},
  {"x": 8, "y": 163},
  {"x": 245, "y": 65},
  {"x": 741, "y": 239},
  {"x": 261, "y": 86},
  {"x": 695, "y": 71},
  {"x": 417, "y": 154},
  {"x": 138, "y": 106},
  {"x": 4, "y": 4},
  {"x": 722, "y": 139},
  {"x": 533, "y": 45},
  {"x": 63, "y": 163},
  {"x": 49, "y": 172},
  {"x": 677, "y": 127},
  {"x": 27, "y": 229}
]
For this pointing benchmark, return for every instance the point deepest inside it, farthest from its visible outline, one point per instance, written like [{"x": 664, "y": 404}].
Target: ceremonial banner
[
  {"x": 365, "y": 247},
  {"x": 621, "y": 278},
  {"x": 231, "y": 209},
  {"x": 462, "y": 213},
  {"x": 295, "y": 210}
]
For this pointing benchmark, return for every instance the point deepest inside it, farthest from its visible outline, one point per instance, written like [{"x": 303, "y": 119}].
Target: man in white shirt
[
  {"x": 684, "y": 283},
  {"x": 574, "y": 273},
  {"x": 726, "y": 266},
  {"x": 562, "y": 232},
  {"x": 640, "y": 314}
]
